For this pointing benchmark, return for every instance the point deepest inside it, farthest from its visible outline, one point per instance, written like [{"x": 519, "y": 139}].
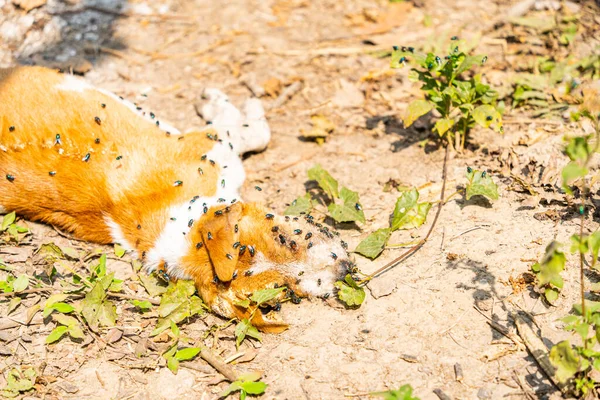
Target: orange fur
[{"x": 113, "y": 165}]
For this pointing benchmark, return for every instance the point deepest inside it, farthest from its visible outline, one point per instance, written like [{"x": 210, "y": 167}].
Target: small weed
[
  {"x": 577, "y": 364},
  {"x": 343, "y": 205},
  {"x": 19, "y": 380},
  {"x": 246, "y": 384},
  {"x": 244, "y": 328},
  {"x": 174, "y": 355},
  {"x": 408, "y": 214},
  {"x": 10, "y": 230},
  {"x": 404, "y": 393},
  {"x": 460, "y": 102}
]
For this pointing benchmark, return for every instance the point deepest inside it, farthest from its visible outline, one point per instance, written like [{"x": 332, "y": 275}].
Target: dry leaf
[
  {"x": 29, "y": 5},
  {"x": 272, "y": 87}
]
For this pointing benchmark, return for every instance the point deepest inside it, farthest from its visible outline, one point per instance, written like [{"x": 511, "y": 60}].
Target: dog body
[{"x": 86, "y": 161}]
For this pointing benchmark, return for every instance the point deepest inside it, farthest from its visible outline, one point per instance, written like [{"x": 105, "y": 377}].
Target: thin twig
[
  {"x": 539, "y": 351},
  {"x": 286, "y": 95},
  {"x": 416, "y": 247},
  {"x": 224, "y": 369},
  {"x": 120, "y": 54}
]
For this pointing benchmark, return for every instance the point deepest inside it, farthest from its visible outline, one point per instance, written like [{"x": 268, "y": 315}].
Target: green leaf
[
  {"x": 578, "y": 148},
  {"x": 55, "y": 298},
  {"x": 416, "y": 109},
  {"x": 66, "y": 320},
  {"x": 21, "y": 283},
  {"x": 415, "y": 217},
  {"x": 56, "y": 334},
  {"x": 143, "y": 305},
  {"x": 119, "y": 250},
  {"x": 407, "y": 213},
  {"x": 13, "y": 304},
  {"x": 551, "y": 294},
  {"x": 300, "y": 205},
  {"x": 75, "y": 332},
  {"x": 404, "y": 393},
  {"x": 177, "y": 293},
  {"x": 443, "y": 125},
  {"x": 571, "y": 172},
  {"x": 177, "y": 304},
  {"x": 565, "y": 360},
  {"x": 325, "y": 181},
  {"x": 467, "y": 63},
  {"x": 243, "y": 328},
  {"x": 95, "y": 309},
  {"x": 7, "y": 220},
  {"x": 232, "y": 388},
  {"x": 152, "y": 284},
  {"x": 594, "y": 244},
  {"x": 265, "y": 295},
  {"x": 243, "y": 303},
  {"x": 64, "y": 308},
  {"x": 349, "y": 292},
  {"x": 19, "y": 381},
  {"x": 253, "y": 387},
  {"x": 406, "y": 202},
  {"x": 548, "y": 271},
  {"x": 350, "y": 210},
  {"x": 373, "y": 244},
  {"x": 187, "y": 354},
  {"x": 487, "y": 116},
  {"x": 481, "y": 185},
  {"x": 173, "y": 364},
  {"x": 175, "y": 329}
]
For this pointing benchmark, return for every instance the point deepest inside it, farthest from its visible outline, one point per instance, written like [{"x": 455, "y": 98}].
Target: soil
[{"x": 422, "y": 318}]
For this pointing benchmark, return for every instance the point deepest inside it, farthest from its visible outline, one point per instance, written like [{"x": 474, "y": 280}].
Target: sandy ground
[{"x": 420, "y": 319}]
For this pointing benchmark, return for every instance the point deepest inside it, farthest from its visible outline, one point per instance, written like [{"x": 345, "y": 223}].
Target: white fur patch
[
  {"x": 248, "y": 132},
  {"x": 173, "y": 241},
  {"x": 74, "y": 84},
  {"x": 319, "y": 271},
  {"x": 3, "y": 210},
  {"x": 117, "y": 235}
]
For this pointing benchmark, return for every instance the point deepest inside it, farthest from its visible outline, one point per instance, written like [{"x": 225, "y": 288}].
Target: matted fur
[{"x": 83, "y": 160}]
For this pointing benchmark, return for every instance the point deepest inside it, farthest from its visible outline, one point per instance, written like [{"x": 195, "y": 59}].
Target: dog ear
[{"x": 219, "y": 234}]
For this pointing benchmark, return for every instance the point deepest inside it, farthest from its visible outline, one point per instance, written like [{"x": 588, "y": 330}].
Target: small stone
[
  {"x": 483, "y": 394},
  {"x": 68, "y": 387},
  {"x": 381, "y": 287}
]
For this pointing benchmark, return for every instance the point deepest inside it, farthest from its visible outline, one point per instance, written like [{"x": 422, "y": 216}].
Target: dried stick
[
  {"x": 120, "y": 54},
  {"x": 224, "y": 369},
  {"x": 539, "y": 351},
  {"x": 286, "y": 94},
  {"x": 416, "y": 247}
]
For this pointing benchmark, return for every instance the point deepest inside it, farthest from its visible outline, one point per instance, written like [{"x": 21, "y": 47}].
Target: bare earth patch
[{"x": 440, "y": 311}]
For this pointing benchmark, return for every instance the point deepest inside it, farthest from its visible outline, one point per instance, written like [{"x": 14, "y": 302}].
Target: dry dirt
[{"x": 421, "y": 318}]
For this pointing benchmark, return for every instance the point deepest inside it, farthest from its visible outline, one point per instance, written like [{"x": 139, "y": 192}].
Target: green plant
[
  {"x": 409, "y": 213},
  {"x": 19, "y": 380},
  {"x": 174, "y": 355},
  {"x": 460, "y": 102},
  {"x": 246, "y": 384},
  {"x": 343, "y": 205},
  {"x": 14, "y": 231},
  {"x": 244, "y": 328},
  {"x": 548, "y": 270},
  {"x": 575, "y": 363},
  {"x": 404, "y": 393}
]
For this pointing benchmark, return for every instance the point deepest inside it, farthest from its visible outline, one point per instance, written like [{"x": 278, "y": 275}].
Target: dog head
[{"x": 238, "y": 249}]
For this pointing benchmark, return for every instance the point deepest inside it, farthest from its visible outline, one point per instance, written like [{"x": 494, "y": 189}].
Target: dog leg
[{"x": 246, "y": 132}]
